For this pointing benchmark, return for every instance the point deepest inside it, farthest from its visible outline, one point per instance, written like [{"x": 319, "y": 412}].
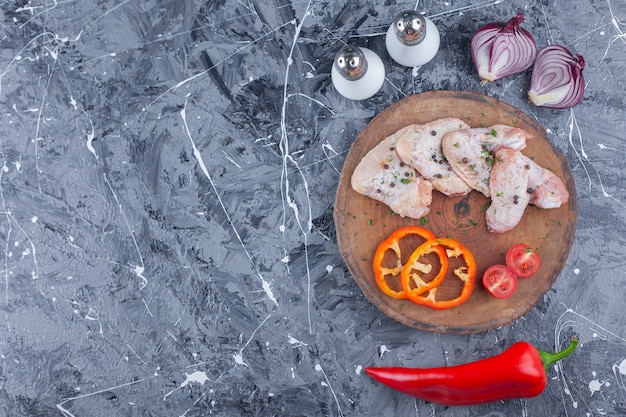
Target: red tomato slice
[
  {"x": 523, "y": 260},
  {"x": 500, "y": 281}
]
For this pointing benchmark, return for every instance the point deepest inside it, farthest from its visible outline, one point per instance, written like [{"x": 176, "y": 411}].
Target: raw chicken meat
[
  {"x": 383, "y": 176},
  {"x": 509, "y": 191},
  {"x": 548, "y": 191},
  {"x": 470, "y": 151},
  {"x": 420, "y": 147},
  {"x": 517, "y": 181}
]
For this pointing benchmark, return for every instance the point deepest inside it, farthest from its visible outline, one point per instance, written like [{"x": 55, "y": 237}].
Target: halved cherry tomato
[
  {"x": 500, "y": 281},
  {"x": 466, "y": 273},
  {"x": 523, "y": 260},
  {"x": 393, "y": 243}
]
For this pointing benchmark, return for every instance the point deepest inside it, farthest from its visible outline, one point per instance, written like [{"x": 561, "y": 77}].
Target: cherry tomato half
[
  {"x": 500, "y": 281},
  {"x": 523, "y": 260}
]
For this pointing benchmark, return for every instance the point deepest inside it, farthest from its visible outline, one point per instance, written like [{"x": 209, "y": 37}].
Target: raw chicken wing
[
  {"x": 470, "y": 151},
  {"x": 517, "y": 181},
  {"x": 420, "y": 147},
  {"x": 545, "y": 187},
  {"x": 509, "y": 190},
  {"x": 383, "y": 176}
]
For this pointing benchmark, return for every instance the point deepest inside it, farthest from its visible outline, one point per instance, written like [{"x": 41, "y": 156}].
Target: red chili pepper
[{"x": 518, "y": 372}]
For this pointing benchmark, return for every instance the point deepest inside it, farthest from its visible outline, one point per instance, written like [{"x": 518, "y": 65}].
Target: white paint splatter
[
  {"x": 595, "y": 386},
  {"x": 65, "y": 412},
  {"x": 382, "y": 350},
  {"x": 602, "y": 146},
  {"x": 196, "y": 152},
  {"x": 238, "y": 357},
  {"x": 203, "y": 73},
  {"x": 197, "y": 377},
  {"x": 326, "y": 382},
  {"x": 574, "y": 131},
  {"x": 90, "y": 137},
  {"x": 295, "y": 342},
  {"x": 137, "y": 269}
]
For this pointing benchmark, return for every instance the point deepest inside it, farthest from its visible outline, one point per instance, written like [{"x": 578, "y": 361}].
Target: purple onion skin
[
  {"x": 557, "y": 81},
  {"x": 501, "y": 49}
]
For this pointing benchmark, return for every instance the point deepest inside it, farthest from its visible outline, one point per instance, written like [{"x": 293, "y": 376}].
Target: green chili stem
[{"x": 549, "y": 358}]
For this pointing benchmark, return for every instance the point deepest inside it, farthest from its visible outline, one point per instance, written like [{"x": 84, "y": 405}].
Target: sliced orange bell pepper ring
[
  {"x": 466, "y": 273},
  {"x": 393, "y": 243},
  {"x": 413, "y": 284}
]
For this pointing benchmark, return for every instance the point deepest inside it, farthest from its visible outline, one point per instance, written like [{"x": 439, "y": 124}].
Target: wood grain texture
[{"x": 362, "y": 223}]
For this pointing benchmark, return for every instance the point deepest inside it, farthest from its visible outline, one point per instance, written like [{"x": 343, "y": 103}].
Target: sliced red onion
[
  {"x": 557, "y": 81},
  {"x": 501, "y": 49}
]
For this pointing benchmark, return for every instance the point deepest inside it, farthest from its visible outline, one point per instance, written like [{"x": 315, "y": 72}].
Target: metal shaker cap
[
  {"x": 350, "y": 62},
  {"x": 410, "y": 27}
]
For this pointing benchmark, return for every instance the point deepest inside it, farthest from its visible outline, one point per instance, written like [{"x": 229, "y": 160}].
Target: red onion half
[
  {"x": 557, "y": 81},
  {"x": 501, "y": 49}
]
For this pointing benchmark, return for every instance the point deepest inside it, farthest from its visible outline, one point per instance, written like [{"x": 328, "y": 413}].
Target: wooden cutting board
[{"x": 362, "y": 223}]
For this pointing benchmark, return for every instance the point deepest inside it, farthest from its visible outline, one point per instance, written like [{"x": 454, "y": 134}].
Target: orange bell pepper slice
[
  {"x": 393, "y": 243},
  {"x": 466, "y": 273},
  {"x": 413, "y": 283}
]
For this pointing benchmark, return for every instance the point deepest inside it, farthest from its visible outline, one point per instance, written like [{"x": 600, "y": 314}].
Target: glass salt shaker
[
  {"x": 357, "y": 73},
  {"x": 412, "y": 39}
]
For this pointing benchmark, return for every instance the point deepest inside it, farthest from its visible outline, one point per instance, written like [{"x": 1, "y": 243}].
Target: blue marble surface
[{"x": 166, "y": 209}]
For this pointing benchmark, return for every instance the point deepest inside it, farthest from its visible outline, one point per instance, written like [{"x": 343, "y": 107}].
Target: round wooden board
[{"x": 362, "y": 223}]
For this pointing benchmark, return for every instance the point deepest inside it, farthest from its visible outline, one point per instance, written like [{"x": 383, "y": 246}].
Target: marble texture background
[{"x": 168, "y": 171}]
